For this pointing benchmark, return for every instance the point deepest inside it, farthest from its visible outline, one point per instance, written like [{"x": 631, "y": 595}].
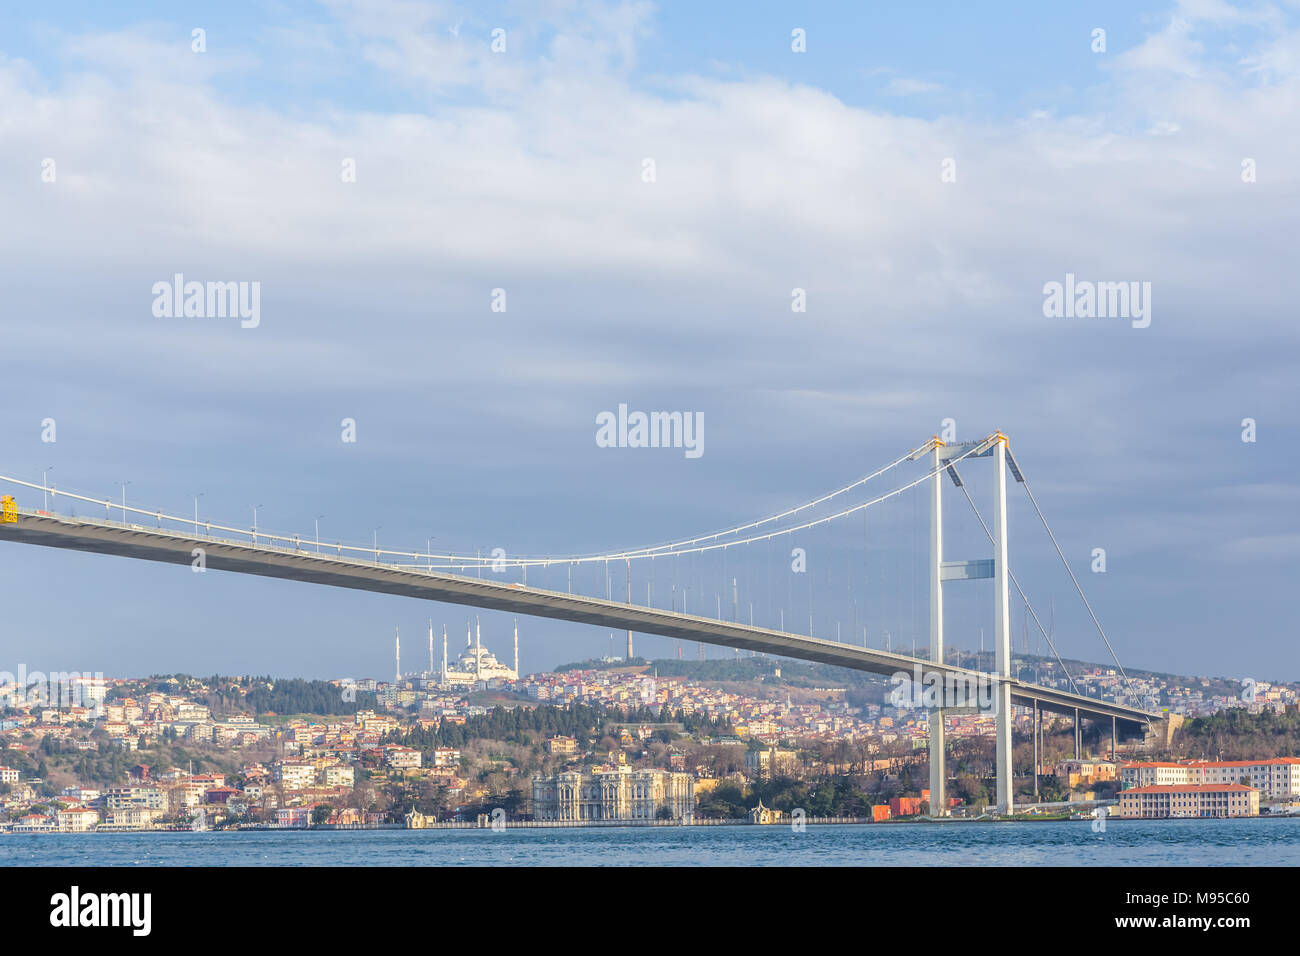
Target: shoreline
[{"x": 628, "y": 825}]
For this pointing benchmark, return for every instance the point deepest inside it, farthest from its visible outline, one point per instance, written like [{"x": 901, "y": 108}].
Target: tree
[{"x": 822, "y": 801}]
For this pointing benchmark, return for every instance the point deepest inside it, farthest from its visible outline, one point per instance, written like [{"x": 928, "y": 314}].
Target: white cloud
[{"x": 908, "y": 86}]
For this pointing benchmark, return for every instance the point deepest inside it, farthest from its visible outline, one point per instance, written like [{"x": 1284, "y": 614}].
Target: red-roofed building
[
  {"x": 1277, "y": 778},
  {"x": 78, "y": 819},
  {"x": 1189, "y": 800}
]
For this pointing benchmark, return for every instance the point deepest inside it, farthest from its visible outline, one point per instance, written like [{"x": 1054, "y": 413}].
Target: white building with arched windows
[{"x": 614, "y": 794}]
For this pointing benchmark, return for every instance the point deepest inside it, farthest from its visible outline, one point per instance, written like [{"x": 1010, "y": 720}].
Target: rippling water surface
[{"x": 1124, "y": 843}]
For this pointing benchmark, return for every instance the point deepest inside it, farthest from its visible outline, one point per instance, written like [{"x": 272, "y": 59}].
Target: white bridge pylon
[{"x": 997, "y": 447}]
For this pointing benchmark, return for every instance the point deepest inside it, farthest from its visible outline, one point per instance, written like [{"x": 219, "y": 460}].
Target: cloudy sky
[{"x": 920, "y": 172}]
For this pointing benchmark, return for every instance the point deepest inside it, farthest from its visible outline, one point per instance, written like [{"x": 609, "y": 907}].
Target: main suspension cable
[
  {"x": 533, "y": 562},
  {"x": 1077, "y": 586},
  {"x": 1065, "y": 670}
]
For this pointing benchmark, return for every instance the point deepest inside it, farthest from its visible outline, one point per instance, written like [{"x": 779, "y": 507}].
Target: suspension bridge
[{"x": 457, "y": 578}]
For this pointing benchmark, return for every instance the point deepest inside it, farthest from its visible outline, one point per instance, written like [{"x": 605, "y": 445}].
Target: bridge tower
[
  {"x": 938, "y": 770},
  {"x": 1002, "y": 625},
  {"x": 998, "y": 448}
]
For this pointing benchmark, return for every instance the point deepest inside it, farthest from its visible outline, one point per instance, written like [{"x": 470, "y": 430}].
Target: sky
[{"x": 649, "y": 185}]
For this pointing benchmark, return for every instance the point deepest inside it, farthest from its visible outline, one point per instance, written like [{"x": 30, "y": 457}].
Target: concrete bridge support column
[
  {"x": 1036, "y": 730},
  {"x": 1002, "y": 628},
  {"x": 938, "y": 770}
]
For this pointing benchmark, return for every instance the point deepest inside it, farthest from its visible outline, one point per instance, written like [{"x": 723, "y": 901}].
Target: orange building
[{"x": 905, "y": 806}]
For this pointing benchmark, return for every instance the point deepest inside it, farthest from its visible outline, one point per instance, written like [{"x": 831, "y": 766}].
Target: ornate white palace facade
[{"x": 618, "y": 793}]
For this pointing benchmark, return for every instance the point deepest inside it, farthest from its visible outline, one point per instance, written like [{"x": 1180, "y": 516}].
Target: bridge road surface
[{"x": 298, "y": 564}]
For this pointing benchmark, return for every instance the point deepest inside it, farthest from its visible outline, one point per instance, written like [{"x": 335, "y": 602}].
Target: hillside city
[{"x": 751, "y": 739}]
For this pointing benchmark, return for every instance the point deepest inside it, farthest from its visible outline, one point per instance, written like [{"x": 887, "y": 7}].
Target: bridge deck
[{"x": 174, "y": 547}]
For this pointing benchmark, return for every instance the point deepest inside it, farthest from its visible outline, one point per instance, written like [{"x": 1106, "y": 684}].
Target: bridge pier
[
  {"x": 938, "y": 769},
  {"x": 1036, "y": 729},
  {"x": 1002, "y": 627}
]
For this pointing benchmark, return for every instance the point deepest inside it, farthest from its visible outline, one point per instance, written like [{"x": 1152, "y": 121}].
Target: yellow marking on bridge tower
[{"x": 8, "y": 510}]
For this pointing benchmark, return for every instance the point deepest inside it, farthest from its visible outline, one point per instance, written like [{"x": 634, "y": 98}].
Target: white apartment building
[
  {"x": 294, "y": 774},
  {"x": 148, "y": 798},
  {"x": 402, "y": 758},
  {"x": 338, "y": 775},
  {"x": 132, "y": 817},
  {"x": 78, "y": 819}
]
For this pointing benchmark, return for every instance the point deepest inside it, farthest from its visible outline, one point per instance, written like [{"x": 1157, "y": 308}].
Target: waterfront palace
[{"x": 618, "y": 793}]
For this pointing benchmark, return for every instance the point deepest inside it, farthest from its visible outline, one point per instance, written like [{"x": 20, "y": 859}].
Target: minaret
[
  {"x": 478, "y": 646},
  {"x": 399, "y": 657},
  {"x": 444, "y": 653},
  {"x": 516, "y": 648},
  {"x": 430, "y": 647}
]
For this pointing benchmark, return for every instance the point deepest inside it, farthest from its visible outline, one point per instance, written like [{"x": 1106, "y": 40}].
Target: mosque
[{"x": 475, "y": 663}]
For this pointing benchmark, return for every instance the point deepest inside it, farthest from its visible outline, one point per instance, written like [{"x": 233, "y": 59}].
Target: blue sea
[{"x": 1074, "y": 843}]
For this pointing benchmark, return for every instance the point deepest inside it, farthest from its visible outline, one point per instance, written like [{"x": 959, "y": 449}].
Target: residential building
[
  {"x": 402, "y": 758},
  {"x": 338, "y": 775},
  {"x": 293, "y": 774},
  {"x": 78, "y": 819},
  {"x": 132, "y": 817},
  {"x": 446, "y": 757},
  {"x": 772, "y": 762},
  {"x": 148, "y": 798},
  {"x": 1073, "y": 773}
]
